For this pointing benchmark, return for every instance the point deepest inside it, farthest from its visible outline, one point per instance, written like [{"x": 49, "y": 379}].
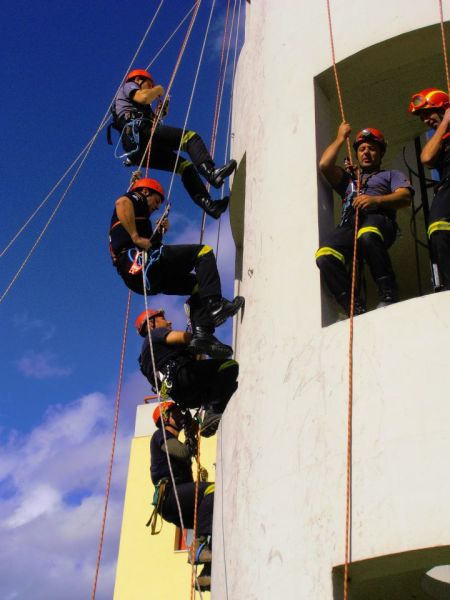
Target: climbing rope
[
  {"x": 147, "y": 151},
  {"x": 86, "y": 151},
  {"x": 348, "y": 506},
  {"x": 113, "y": 445},
  {"x": 444, "y": 45},
  {"x": 228, "y": 135},
  {"x": 216, "y": 110}
]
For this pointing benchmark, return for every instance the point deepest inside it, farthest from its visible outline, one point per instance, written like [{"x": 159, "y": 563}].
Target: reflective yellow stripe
[
  {"x": 364, "y": 230},
  {"x": 184, "y": 164},
  {"x": 226, "y": 364},
  {"x": 327, "y": 251},
  {"x": 438, "y": 226},
  {"x": 195, "y": 288},
  {"x": 210, "y": 489},
  {"x": 205, "y": 249},
  {"x": 186, "y": 137}
]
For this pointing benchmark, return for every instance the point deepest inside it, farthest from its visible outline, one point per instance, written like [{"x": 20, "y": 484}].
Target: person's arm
[
  {"x": 327, "y": 163},
  {"x": 401, "y": 198},
  {"x": 174, "y": 338},
  {"x": 177, "y": 449},
  {"x": 147, "y": 96},
  {"x": 432, "y": 148},
  {"x": 126, "y": 215}
]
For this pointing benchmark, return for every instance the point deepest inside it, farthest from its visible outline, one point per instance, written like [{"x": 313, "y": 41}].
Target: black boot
[
  {"x": 387, "y": 291},
  {"x": 203, "y": 342},
  {"x": 210, "y": 423},
  {"x": 213, "y": 208},
  {"x": 216, "y": 175},
  {"x": 221, "y": 308},
  {"x": 358, "y": 305}
]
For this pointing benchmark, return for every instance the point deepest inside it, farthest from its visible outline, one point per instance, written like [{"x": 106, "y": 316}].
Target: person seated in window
[{"x": 377, "y": 196}]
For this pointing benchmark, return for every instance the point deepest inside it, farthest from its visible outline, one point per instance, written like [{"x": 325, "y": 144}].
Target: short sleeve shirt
[
  {"x": 162, "y": 351},
  {"x": 118, "y": 235},
  {"x": 124, "y": 101},
  {"x": 379, "y": 183}
]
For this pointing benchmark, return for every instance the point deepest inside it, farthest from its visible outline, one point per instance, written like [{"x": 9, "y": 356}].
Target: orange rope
[
  {"x": 194, "y": 528},
  {"x": 169, "y": 87},
  {"x": 444, "y": 45},
  {"x": 113, "y": 446},
  {"x": 348, "y": 505}
]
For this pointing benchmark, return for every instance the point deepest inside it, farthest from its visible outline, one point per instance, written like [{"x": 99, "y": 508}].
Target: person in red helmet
[
  {"x": 381, "y": 194},
  {"x": 168, "y": 268},
  {"x": 207, "y": 383},
  {"x": 170, "y": 417},
  {"x": 432, "y": 106},
  {"x": 133, "y": 117}
]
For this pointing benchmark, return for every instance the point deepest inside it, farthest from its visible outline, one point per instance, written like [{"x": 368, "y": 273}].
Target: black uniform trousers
[
  {"x": 164, "y": 154},
  {"x": 186, "y": 495},
  {"x": 205, "y": 383},
  {"x": 376, "y": 233},
  {"x": 439, "y": 232},
  {"x": 172, "y": 274}
]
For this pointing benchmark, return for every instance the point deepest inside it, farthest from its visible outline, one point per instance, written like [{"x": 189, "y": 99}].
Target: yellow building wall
[{"x": 148, "y": 567}]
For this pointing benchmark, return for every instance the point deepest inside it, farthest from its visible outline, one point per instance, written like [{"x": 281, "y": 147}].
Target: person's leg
[
  {"x": 186, "y": 496},
  {"x": 332, "y": 258},
  {"x": 132, "y": 281},
  {"x": 375, "y": 236},
  {"x": 439, "y": 234}
]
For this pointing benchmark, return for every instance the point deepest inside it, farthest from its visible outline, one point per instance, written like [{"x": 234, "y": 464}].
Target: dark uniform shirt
[
  {"x": 124, "y": 105},
  {"x": 379, "y": 183},
  {"x": 443, "y": 161},
  {"x": 159, "y": 469},
  {"x": 119, "y": 237},
  {"x": 163, "y": 352}
]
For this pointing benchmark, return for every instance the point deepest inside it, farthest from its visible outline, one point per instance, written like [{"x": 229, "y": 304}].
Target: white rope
[
  {"x": 228, "y": 136},
  {"x": 158, "y": 392},
  {"x": 170, "y": 37},
  {"x": 87, "y": 151}
]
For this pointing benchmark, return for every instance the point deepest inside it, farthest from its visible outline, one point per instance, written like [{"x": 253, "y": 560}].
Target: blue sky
[{"x": 62, "y": 321}]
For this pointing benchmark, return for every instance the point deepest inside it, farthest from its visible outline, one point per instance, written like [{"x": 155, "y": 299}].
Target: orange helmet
[
  {"x": 139, "y": 73},
  {"x": 152, "y": 184},
  {"x": 428, "y": 98},
  {"x": 141, "y": 321},
  {"x": 166, "y": 407},
  {"x": 369, "y": 133}
]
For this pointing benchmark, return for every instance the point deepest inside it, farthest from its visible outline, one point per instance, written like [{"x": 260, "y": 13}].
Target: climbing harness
[{"x": 158, "y": 500}]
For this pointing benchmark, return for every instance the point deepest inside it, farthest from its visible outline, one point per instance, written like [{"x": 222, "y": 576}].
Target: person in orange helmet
[
  {"x": 133, "y": 117},
  {"x": 381, "y": 193},
  {"x": 192, "y": 383},
  {"x": 165, "y": 446},
  {"x": 432, "y": 106},
  {"x": 167, "y": 269}
]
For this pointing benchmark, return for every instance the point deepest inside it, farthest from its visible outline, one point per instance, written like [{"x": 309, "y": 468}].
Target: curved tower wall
[{"x": 281, "y": 465}]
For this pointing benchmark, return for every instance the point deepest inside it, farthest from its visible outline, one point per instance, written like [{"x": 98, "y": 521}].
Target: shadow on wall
[
  {"x": 402, "y": 576},
  {"x": 237, "y": 215},
  {"x": 376, "y": 86}
]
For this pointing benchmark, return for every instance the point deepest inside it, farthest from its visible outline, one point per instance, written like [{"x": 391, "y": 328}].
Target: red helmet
[
  {"x": 139, "y": 73},
  {"x": 166, "y": 407},
  {"x": 369, "y": 133},
  {"x": 152, "y": 184},
  {"x": 141, "y": 321},
  {"x": 428, "y": 98}
]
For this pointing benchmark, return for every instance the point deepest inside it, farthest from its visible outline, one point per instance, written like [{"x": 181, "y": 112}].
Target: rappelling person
[
  {"x": 138, "y": 253},
  {"x": 381, "y": 193},
  {"x": 191, "y": 383},
  {"x": 133, "y": 116},
  {"x": 172, "y": 418},
  {"x": 432, "y": 107}
]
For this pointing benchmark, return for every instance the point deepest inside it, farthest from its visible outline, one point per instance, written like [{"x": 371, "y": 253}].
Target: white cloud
[
  {"x": 41, "y": 365},
  {"x": 26, "y": 324},
  {"x": 52, "y": 485}
]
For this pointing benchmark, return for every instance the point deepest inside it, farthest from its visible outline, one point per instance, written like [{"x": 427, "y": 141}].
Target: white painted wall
[{"x": 280, "y": 514}]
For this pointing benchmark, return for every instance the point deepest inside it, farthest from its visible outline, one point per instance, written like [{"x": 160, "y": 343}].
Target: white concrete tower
[{"x": 279, "y": 527}]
